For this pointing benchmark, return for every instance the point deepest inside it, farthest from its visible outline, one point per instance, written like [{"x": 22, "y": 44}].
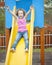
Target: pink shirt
[{"x": 21, "y": 25}]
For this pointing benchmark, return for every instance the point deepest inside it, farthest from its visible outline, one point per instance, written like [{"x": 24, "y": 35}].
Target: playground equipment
[
  {"x": 20, "y": 57},
  {"x": 39, "y": 22}
]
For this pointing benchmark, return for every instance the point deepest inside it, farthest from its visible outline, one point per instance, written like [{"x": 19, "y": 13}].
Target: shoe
[
  {"x": 26, "y": 50},
  {"x": 12, "y": 49}
]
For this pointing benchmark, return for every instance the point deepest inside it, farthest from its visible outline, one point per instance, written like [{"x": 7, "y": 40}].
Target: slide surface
[{"x": 20, "y": 57}]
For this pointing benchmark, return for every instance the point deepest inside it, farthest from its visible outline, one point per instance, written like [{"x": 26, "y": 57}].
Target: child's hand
[
  {"x": 7, "y": 7},
  {"x": 31, "y": 7}
]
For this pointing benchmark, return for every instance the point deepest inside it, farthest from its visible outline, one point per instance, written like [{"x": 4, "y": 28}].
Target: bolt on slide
[{"x": 20, "y": 57}]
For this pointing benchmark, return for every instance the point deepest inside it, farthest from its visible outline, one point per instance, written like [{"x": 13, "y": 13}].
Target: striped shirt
[{"x": 21, "y": 25}]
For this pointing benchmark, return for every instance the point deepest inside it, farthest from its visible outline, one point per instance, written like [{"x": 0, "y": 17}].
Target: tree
[{"x": 48, "y": 4}]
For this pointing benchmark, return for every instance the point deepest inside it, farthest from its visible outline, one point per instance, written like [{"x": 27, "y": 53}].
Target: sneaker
[
  {"x": 12, "y": 49},
  {"x": 26, "y": 50}
]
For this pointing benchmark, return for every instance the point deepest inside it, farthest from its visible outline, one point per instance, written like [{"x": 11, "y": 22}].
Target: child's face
[{"x": 20, "y": 14}]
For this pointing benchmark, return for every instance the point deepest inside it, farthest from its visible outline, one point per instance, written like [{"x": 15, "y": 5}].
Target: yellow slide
[{"x": 20, "y": 57}]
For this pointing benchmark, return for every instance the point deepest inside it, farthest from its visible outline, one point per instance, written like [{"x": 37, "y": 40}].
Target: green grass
[
  {"x": 46, "y": 50},
  {"x": 2, "y": 50}
]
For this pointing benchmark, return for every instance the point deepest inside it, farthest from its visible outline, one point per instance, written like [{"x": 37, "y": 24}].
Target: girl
[{"x": 20, "y": 17}]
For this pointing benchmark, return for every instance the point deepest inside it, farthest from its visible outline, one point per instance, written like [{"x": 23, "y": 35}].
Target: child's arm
[
  {"x": 11, "y": 12},
  {"x": 28, "y": 12}
]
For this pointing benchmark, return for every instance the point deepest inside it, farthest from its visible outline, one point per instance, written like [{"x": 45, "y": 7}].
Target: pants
[{"x": 19, "y": 36}]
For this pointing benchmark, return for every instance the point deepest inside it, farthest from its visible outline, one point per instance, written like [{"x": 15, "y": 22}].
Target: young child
[{"x": 20, "y": 17}]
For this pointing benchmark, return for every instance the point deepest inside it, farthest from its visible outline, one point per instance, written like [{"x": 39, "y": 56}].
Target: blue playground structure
[{"x": 38, "y": 6}]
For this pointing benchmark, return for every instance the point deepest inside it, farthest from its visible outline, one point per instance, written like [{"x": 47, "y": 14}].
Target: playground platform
[{"x": 36, "y": 58}]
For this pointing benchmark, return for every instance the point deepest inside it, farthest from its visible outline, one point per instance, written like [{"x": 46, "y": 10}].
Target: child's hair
[{"x": 20, "y": 10}]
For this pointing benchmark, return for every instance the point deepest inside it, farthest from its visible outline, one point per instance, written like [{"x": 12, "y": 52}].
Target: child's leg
[
  {"x": 18, "y": 37},
  {"x": 25, "y": 35}
]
